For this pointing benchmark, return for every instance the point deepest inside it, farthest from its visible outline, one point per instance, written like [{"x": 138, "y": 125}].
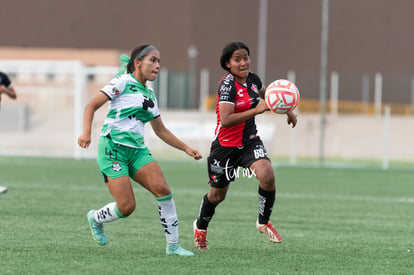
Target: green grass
[{"x": 333, "y": 221}]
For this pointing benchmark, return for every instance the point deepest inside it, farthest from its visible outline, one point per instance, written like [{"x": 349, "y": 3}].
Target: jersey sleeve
[
  {"x": 226, "y": 91},
  {"x": 4, "y": 80},
  {"x": 115, "y": 87},
  {"x": 256, "y": 80}
]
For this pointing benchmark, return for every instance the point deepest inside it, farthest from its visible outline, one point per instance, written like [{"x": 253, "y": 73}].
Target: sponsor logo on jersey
[
  {"x": 225, "y": 89},
  {"x": 241, "y": 103}
]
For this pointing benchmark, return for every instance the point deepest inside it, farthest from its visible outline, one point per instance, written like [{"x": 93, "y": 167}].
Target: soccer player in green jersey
[{"x": 122, "y": 153}]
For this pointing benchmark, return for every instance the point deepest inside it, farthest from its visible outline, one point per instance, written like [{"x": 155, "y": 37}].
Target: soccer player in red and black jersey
[
  {"x": 236, "y": 143},
  {"x": 7, "y": 88}
]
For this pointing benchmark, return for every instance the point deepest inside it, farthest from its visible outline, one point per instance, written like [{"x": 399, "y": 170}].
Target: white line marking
[{"x": 188, "y": 191}]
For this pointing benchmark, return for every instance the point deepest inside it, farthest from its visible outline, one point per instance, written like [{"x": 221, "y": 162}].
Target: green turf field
[{"x": 333, "y": 221}]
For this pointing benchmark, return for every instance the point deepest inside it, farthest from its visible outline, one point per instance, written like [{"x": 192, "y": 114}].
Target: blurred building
[{"x": 365, "y": 37}]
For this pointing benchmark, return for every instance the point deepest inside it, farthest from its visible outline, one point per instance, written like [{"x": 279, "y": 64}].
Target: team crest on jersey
[
  {"x": 254, "y": 88},
  {"x": 116, "y": 167},
  {"x": 115, "y": 91}
]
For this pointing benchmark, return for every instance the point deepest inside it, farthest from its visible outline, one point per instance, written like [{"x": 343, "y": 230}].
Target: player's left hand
[{"x": 292, "y": 118}]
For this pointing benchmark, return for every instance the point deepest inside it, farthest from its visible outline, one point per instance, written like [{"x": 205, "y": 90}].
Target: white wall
[{"x": 348, "y": 137}]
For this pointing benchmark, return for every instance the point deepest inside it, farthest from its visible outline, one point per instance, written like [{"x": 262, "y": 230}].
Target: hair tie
[{"x": 124, "y": 58}]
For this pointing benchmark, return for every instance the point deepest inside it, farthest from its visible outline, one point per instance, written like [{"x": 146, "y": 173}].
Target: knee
[
  {"x": 264, "y": 173},
  {"x": 267, "y": 180},
  {"x": 216, "y": 198},
  {"x": 126, "y": 209}
]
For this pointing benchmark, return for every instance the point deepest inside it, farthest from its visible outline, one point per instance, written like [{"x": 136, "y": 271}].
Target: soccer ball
[{"x": 282, "y": 96}]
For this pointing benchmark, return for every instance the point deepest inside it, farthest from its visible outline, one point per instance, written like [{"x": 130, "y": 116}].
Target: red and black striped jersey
[{"x": 243, "y": 97}]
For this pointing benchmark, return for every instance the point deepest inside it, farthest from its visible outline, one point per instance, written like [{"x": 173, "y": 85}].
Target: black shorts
[{"x": 224, "y": 162}]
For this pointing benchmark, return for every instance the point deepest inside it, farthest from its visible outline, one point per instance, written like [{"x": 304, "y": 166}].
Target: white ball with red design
[{"x": 282, "y": 96}]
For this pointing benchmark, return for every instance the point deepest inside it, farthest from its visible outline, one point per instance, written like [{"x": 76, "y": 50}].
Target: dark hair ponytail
[{"x": 229, "y": 50}]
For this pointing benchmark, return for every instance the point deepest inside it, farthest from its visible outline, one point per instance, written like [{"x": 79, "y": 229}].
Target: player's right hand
[
  {"x": 84, "y": 141},
  {"x": 261, "y": 107}
]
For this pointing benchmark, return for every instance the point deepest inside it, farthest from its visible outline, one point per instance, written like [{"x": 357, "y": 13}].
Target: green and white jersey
[{"x": 131, "y": 106}]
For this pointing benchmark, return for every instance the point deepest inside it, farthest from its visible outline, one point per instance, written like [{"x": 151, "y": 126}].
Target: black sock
[
  {"x": 207, "y": 210},
  {"x": 266, "y": 201}
]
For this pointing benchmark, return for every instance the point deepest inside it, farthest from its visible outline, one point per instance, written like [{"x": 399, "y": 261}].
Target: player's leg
[
  {"x": 219, "y": 163},
  {"x": 220, "y": 166},
  {"x": 208, "y": 205},
  {"x": 151, "y": 178},
  {"x": 206, "y": 213},
  {"x": 121, "y": 189},
  {"x": 255, "y": 158},
  {"x": 124, "y": 205},
  {"x": 264, "y": 173},
  {"x": 267, "y": 193},
  {"x": 114, "y": 168}
]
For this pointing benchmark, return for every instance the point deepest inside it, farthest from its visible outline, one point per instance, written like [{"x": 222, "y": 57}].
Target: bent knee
[
  {"x": 268, "y": 179},
  {"x": 216, "y": 198},
  {"x": 126, "y": 209}
]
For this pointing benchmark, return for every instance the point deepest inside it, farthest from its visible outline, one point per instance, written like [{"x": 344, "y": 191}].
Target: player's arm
[
  {"x": 168, "y": 137},
  {"x": 227, "y": 96},
  {"x": 229, "y": 118},
  {"x": 262, "y": 93},
  {"x": 6, "y": 86},
  {"x": 292, "y": 118},
  {"x": 8, "y": 91},
  {"x": 100, "y": 99}
]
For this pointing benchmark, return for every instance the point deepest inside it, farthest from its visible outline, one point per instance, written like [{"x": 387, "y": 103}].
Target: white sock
[
  {"x": 108, "y": 213},
  {"x": 168, "y": 218}
]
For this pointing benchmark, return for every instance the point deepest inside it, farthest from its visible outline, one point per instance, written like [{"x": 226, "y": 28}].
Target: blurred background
[{"x": 351, "y": 60}]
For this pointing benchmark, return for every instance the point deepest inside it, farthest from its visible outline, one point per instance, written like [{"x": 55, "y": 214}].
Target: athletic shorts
[
  {"x": 224, "y": 162},
  {"x": 115, "y": 160}
]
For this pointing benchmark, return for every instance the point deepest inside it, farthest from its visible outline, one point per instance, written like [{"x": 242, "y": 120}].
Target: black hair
[
  {"x": 135, "y": 52},
  {"x": 229, "y": 50}
]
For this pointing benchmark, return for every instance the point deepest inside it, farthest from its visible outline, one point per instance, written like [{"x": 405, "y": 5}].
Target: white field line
[
  {"x": 348, "y": 198},
  {"x": 189, "y": 191}
]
